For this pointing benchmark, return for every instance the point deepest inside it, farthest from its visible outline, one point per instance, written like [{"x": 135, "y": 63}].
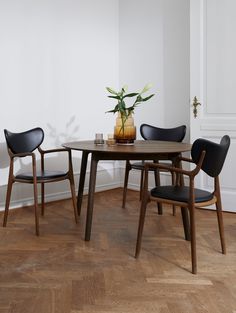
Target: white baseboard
[
  {"x": 22, "y": 194},
  {"x": 109, "y": 176}
]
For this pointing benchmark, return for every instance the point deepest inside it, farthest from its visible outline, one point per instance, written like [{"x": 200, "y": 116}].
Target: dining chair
[
  {"x": 207, "y": 156},
  {"x": 149, "y": 132},
  {"x": 22, "y": 145}
]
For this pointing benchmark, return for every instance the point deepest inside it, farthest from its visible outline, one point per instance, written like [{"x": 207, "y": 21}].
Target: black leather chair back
[
  {"x": 26, "y": 141},
  {"x": 149, "y": 132},
  {"x": 215, "y": 154}
]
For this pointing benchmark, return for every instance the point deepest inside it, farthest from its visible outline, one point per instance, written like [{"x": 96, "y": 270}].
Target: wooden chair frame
[
  {"x": 129, "y": 166},
  {"x": 12, "y": 179},
  {"x": 191, "y": 205},
  {"x": 150, "y": 132}
]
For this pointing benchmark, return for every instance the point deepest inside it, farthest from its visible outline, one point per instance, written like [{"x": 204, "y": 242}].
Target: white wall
[
  {"x": 154, "y": 47},
  {"x": 176, "y": 62},
  {"x": 57, "y": 57},
  {"x": 141, "y": 55}
]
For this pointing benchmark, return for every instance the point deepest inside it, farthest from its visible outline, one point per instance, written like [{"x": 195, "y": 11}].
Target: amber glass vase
[{"x": 124, "y": 131}]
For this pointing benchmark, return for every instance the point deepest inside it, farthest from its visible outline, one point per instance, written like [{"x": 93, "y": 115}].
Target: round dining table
[{"x": 140, "y": 150}]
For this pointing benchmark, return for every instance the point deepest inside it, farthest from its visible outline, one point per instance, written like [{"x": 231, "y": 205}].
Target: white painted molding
[{"x": 219, "y": 127}]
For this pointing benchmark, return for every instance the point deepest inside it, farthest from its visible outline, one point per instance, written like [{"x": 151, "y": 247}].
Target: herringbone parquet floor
[{"x": 61, "y": 273}]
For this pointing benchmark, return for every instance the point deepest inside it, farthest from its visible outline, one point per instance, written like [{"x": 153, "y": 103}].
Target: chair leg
[
  {"x": 36, "y": 208},
  {"x": 8, "y": 197},
  {"x": 127, "y": 169},
  {"x": 42, "y": 198},
  {"x": 158, "y": 183},
  {"x": 73, "y": 195},
  {"x": 36, "y": 214},
  {"x": 221, "y": 227},
  {"x": 173, "y": 183},
  {"x": 193, "y": 239},
  {"x": 220, "y": 217}
]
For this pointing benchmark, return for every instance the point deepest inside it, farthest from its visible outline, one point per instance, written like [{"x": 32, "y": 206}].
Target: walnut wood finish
[
  {"x": 129, "y": 167},
  {"x": 141, "y": 150},
  {"x": 33, "y": 180},
  {"x": 151, "y": 132},
  {"x": 190, "y": 205},
  {"x": 59, "y": 272}
]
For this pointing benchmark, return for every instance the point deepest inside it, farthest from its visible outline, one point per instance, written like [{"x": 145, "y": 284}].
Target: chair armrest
[
  {"x": 148, "y": 165},
  {"x": 173, "y": 169},
  {"x": 178, "y": 170},
  {"x": 43, "y": 152},
  {"x": 53, "y": 150},
  {"x": 185, "y": 159}
]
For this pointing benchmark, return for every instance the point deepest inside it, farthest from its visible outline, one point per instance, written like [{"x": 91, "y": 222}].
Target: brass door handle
[{"x": 195, "y": 104}]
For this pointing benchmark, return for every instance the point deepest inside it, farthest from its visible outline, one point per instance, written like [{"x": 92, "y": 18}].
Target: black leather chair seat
[
  {"x": 181, "y": 194},
  {"x": 42, "y": 175}
]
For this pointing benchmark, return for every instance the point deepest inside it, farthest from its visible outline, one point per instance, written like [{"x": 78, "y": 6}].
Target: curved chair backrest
[
  {"x": 26, "y": 141},
  {"x": 215, "y": 154},
  {"x": 149, "y": 132}
]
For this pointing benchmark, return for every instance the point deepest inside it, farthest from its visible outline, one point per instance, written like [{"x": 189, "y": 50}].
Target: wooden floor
[{"x": 60, "y": 272}]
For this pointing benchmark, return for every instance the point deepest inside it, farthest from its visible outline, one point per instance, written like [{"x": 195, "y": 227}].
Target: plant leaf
[
  {"x": 146, "y": 88},
  {"x": 147, "y": 98},
  {"x": 111, "y": 111},
  {"x": 131, "y": 95},
  {"x": 125, "y": 88},
  {"x": 114, "y": 97},
  {"x": 109, "y": 89}
]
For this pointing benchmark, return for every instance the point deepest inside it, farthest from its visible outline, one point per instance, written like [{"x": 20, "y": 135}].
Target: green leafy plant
[{"x": 122, "y": 95}]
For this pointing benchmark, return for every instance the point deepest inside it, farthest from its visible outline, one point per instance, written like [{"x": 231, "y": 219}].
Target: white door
[{"x": 213, "y": 83}]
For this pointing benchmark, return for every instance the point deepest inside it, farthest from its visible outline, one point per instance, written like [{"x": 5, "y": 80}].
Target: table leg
[
  {"x": 81, "y": 180},
  {"x": 92, "y": 184}
]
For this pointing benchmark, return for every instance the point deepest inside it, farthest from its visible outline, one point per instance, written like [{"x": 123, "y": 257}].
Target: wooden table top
[{"x": 139, "y": 147}]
